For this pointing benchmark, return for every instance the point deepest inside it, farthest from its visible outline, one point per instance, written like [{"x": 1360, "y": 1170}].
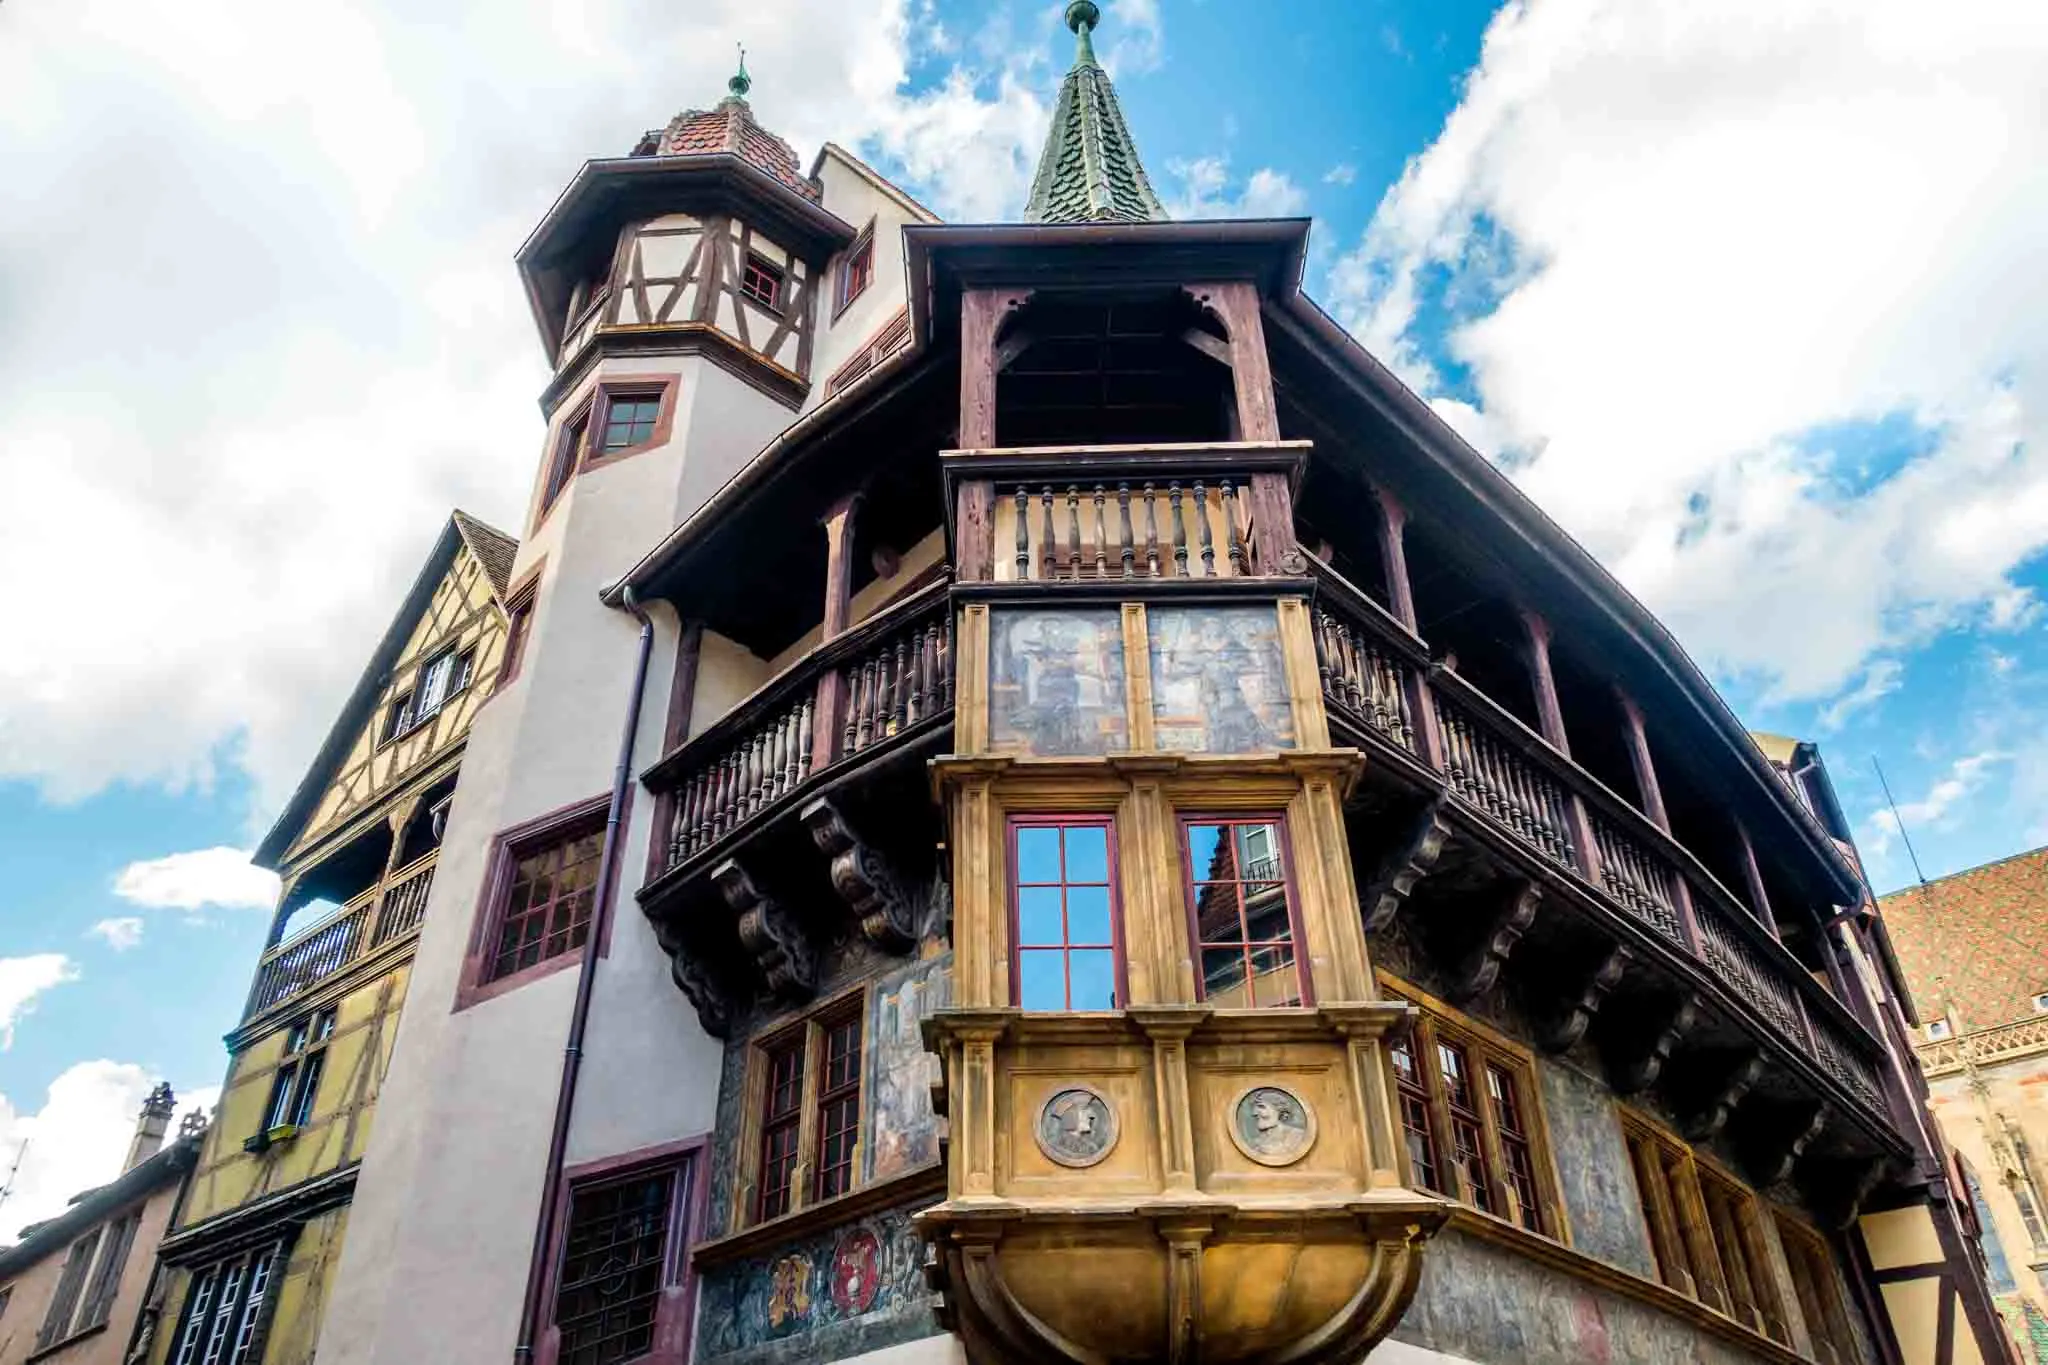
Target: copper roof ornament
[{"x": 1089, "y": 171}]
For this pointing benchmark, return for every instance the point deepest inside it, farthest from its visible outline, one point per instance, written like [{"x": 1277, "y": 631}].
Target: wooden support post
[
  {"x": 974, "y": 532},
  {"x": 827, "y": 715},
  {"x": 981, "y": 318},
  {"x": 1236, "y": 305},
  {"x": 1393, "y": 524},
  {"x": 1753, "y": 881},
  {"x": 1637, "y": 739},
  {"x": 1549, "y": 715}
]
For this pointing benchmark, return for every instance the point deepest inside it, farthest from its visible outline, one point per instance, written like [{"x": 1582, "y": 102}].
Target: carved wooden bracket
[
  {"x": 1796, "y": 1140},
  {"x": 1714, "y": 1117},
  {"x": 770, "y": 932},
  {"x": 701, "y": 986},
  {"x": 890, "y": 914},
  {"x": 1482, "y": 968},
  {"x": 1844, "y": 1200},
  {"x": 1578, "y": 1016},
  {"x": 1406, "y": 866},
  {"x": 1641, "y": 1073}
]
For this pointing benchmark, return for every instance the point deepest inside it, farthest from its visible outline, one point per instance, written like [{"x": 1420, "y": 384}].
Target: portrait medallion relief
[
  {"x": 1076, "y": 1126},
  {"x": 1272, "y": 1126}
]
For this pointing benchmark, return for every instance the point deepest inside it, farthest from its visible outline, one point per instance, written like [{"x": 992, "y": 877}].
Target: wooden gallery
[{"x": 1018, "y": 798}]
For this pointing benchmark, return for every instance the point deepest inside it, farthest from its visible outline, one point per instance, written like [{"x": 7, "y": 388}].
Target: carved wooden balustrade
[
  {"x": 382, "y": 915},
  {"x": 2020, "y": 1038},
  {"x": 887, "y": 677},
  {"x": 1381, "y": 687}
]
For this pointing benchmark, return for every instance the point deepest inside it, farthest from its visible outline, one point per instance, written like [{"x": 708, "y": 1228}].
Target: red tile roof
[
  {"x": 729, "y": 127},
  {"x": 1975, "y": 942}
]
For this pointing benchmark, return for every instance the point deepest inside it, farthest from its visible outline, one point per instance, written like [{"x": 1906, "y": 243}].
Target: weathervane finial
[
  {"x": 1082, "y": 17},
  {"x": 741, "y": 82}
]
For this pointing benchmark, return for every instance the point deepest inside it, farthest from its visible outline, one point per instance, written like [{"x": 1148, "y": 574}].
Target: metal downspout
[{"x": 579, "y": 1015}]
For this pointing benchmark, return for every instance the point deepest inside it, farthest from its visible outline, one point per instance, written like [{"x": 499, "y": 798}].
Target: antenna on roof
[
  {"x": 8, "y": 1188},
  {"x": 1897, "y": 822}
]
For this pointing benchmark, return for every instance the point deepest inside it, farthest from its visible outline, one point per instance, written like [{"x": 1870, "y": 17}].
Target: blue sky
[{"x": 1750, "y": 308}]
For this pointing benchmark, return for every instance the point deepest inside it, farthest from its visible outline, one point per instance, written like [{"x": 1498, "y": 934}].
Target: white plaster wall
[
  {"x": 434, "y": 1267},
  {"x": 1392, "y": 1352},
  {"x": 850, "y": 194}
]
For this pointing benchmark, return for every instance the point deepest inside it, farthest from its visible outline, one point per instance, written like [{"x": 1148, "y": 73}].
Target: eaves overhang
[
  {"x": 609, "y": 193},
  {"x": 168, "y": 1164}
]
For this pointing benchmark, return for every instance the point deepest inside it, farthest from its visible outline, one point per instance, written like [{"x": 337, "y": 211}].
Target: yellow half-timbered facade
[{"x": 248, "y": 1259}]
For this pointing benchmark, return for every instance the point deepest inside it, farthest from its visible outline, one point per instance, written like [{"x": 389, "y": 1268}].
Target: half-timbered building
[
  {"x": 256, "y": 1238},
  {"x": 1049, "y": 809}
]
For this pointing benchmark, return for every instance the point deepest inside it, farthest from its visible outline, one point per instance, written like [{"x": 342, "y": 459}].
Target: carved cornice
[
  {"x": 768, "y": 930},
  {"x": 1405, "y": 866},
  {"x": 892, "y": 915}
]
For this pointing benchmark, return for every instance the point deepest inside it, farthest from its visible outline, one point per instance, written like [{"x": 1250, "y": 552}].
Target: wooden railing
[
  {"x": 887, "y": 675},
  {"x": 1376, "y": 678},
  {"x": 381, "y": 915}
]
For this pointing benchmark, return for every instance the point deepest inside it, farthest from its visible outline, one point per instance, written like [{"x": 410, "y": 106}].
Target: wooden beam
[
  {"x": 1637, "y": 739},
  {"x": 1392, "y": 523},
  {"x": 1753, "y": 881},
  {"x": 1212, "y": 347},
  {"x": 981, "y": 317},
  {"x": 1549, "y": 715},
  {"x": 829, "y": 710}
]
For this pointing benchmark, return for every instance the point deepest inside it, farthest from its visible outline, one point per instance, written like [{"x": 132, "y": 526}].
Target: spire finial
[
  {"x": 1082, "y": 17},
  {"x": 741, "y": 82}
]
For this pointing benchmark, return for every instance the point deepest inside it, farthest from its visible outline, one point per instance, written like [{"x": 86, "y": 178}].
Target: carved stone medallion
[
  {"x": 1076, "y": 1126},
  {"x": 1272, "y": 1126}
]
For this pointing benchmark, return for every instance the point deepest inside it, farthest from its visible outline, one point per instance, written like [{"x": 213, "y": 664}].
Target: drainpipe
[{"x": 579, "y": 1014}]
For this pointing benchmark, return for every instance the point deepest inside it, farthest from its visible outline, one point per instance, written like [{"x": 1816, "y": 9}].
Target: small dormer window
[
  {"x": 1938, "y": 1029},
  {"x": 761, "y": 282},
  {"x": 2041, "y": 1003}
]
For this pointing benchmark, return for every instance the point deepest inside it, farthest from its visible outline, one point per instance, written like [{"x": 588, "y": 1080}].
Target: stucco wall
[{"x": 29, "y": 1294}]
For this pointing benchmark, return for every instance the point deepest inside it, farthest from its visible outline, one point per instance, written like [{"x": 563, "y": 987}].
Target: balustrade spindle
[
  {"x": 1101, "y": 535},
  {"x": 1180, "y": 532},
  {"x": 1073, "y": 531},
  {"x": 1151, "y": 533},
  {"x": 1202, "y": 519},
  {"x": 1023, "y": 533},
  {"x": 1232, "y": 540},
  {"x": 1123, "y": 513},
  {"x": 1049, "y": 546}
]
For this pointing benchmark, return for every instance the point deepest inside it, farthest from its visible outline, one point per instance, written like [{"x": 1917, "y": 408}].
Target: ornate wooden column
[
  {"x": 1550, "y": 723},
  {"x": 1235, "y": 304},
  {"x": 828, "y": 713},
  {"x": 1753, "y": 881},
  {"x": 1637, "y": 740},
  {"x": 1392, "y": 525}
]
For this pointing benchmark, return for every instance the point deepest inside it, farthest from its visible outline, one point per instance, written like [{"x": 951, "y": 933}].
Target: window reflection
[{"x": 1244, "y": 926}]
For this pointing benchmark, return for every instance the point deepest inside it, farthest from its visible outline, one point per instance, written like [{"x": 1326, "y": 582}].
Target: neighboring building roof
[
  {"x": 729, "y": 127},
  {"x": 95, "y": 1206},
  {"x": 494, "y": 549},
  {"x": 1976, "y": 942},
  {"x": 1777, "y": 748},
  {"x": 1089, "y": 171}
]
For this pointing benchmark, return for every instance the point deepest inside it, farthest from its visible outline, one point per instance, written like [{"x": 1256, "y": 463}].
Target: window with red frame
[
  {"x": 568, "y": 451},
  {"x": 1243, "y": 915},
  {"x": 761, "y": 282},
  {"x": 518, "y": 625},
  {"x": 858, "y": 270},
  {"x": 616, "y": 1263},
  {"x": 782, "y": 1121},
  {"x": 629, "y": 420},
  {"x": 1065, "y": 905},
  {"x": 838, "y": 1106},
  {"x": 549, "y": 900}
]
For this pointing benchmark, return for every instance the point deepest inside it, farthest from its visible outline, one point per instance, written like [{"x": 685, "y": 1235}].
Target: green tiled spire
[{"x": 1089, "y": 170}]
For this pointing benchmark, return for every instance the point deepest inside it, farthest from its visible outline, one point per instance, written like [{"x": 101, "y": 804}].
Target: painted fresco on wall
[
  {"x": 903, "y": 1133},
  {"x": 1593, "y": 1171},
  {"x": 1219, "y": 682},
  {"x": 840, "y": 1292},
  {"x": 1056, "y": 682},
  {"x": 1481, "y": 1302}
]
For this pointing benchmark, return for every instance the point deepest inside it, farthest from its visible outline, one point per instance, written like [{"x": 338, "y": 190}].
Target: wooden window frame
[
  {"x": 753, "y": 262},
  {"x": 566, "y": 451},
  {"x": 1735, "y": 1218},
  {"x": 845, "y": 291},
  {"x": 689, "y": 1163},
  {"x": 61, "y": 1316},
  {"x": 807, "y": 1034},
  {"x": 1285, "y": 858},
  {"x": 1119, "y": 960},
  {"x": 1817, "y": 1288},
  {"x": 508, "y": 846},
  {"x": 1482, "y": 1048},
  {"x": 292, "y": 1093},
  {"x": 520, "y": 600},
  {"x": 661, "y": 389},
  {"x": 228, "y": 1329}
]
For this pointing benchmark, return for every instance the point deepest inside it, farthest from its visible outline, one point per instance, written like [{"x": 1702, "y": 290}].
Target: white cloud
[
  {"x": 1963, "y": 779},
  {"x": 1700, "y": 252},
  {"x": 1343, "y": 173},
  {"x": 22, "y": 980},
  {"x": 1206, "y": 191},
  {"x": 263, "y": 330},
  {"x": 120, "y": 934},
  {"x": 196, "y": 880},
  {"x": 78, "y": 1139},
  {"x": 1879, "y": 681}
]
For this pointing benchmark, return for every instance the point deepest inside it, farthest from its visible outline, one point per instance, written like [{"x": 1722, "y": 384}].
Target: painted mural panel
[
  {"x": 1219, "y": 680},
  {"x": 1056, "y": 682},
  {"x": 1484, "y": 1303},
  {"x": 844, "y": 1291},
  {"x": 1593, "y": 1170},
  {"x": 903, "y": 1133}
]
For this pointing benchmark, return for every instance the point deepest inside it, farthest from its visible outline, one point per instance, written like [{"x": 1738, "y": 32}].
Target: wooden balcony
[
  {"x": 383, "y": 915},
  {"x": 1508, "y": 789}
]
